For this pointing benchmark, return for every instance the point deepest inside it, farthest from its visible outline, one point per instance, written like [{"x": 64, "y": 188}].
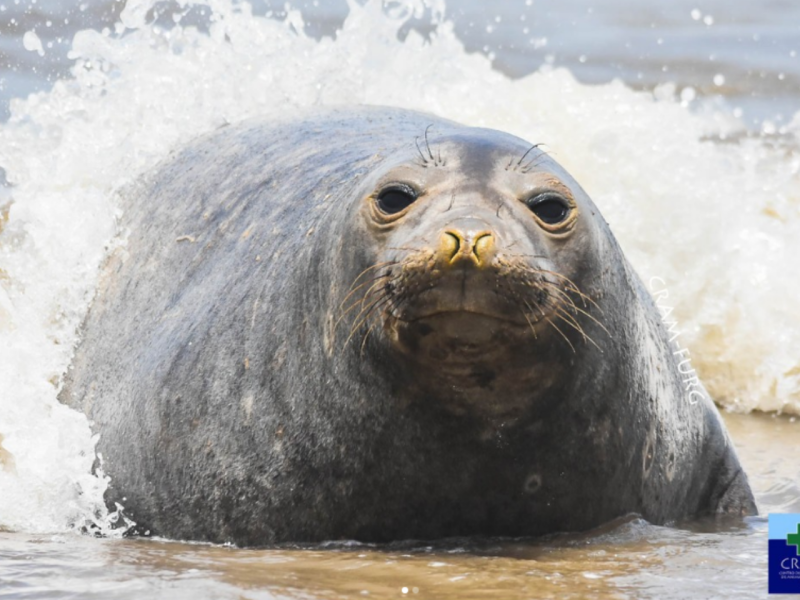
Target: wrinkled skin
[{"x": 274, "y": 357}]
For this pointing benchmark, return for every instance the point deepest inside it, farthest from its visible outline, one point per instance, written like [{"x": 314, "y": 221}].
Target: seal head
[{"x": 484, "y": 272}]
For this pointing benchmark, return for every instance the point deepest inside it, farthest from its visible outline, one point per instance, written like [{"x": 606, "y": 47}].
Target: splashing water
[{"x": 713, "y": 221}]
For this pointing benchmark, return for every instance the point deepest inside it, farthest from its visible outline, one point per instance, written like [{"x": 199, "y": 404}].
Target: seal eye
[
  {"x": 396, "y": 198},
  {"x": 550, "y": 208}
]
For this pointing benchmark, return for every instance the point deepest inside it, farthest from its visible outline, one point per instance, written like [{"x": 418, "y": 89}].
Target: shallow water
[{"x": 692, "y": 157}]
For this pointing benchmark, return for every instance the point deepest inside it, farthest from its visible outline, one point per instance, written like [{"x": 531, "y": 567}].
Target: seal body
[{"x": 375, "y": 324}]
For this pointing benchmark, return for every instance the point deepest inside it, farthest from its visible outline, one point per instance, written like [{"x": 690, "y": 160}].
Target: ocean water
[{"x": 679, "y": 118}]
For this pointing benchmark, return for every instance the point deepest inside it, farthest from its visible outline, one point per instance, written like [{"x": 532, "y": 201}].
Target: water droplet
[{"x": 32, "y": 43}]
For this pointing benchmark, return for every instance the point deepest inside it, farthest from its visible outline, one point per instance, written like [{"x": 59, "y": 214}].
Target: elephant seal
[{"x": 376, "y": 324}]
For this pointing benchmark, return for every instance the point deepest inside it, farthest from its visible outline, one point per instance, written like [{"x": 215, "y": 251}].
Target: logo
[{"x": 784, "y": 554}]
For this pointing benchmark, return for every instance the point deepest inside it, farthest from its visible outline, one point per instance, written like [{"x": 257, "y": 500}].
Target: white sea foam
[{"x": 715, "y": 221}]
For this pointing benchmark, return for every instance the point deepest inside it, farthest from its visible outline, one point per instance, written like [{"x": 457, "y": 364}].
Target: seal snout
[{"x": 467, "y": 241}]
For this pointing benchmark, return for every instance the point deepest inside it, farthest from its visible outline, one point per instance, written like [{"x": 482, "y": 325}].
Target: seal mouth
[
  {"x": 457, "y": 313},
  {"x": 457, "y": 336}
]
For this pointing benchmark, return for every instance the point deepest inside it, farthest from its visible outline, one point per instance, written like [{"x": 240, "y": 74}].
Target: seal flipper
[
  {"x": 735, "y": 497},
  {"x": 727, "y": 491}
]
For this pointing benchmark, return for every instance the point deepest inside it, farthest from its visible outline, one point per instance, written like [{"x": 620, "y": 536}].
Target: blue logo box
[{"x": 784, "y": 554}]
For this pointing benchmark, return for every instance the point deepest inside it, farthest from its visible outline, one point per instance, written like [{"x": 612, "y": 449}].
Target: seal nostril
[
  {"x": 452, "y": 244},
  {"x": 483, "y": 244}
]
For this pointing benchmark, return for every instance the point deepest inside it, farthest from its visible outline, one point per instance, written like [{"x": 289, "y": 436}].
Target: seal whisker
[
  {"x": 396, "y": 305},
  {"x": 525, "y": 255},
  {"x": 528, "y": 151},
  {"x": 579, "y": 329},
  {"x": 421, "y": 155},
  {"x": 366, "y": 336},
  {"x": 559, "y": 275},
  {"x": 356, "y": 304},
  {"x": 355, "y": 286},
  {"x": 576, "y": 308},
  {"x": 371, "y": 327},
  {"x": 533, "y": 329},
  {"x": 566, "y": 339},
  {"x": 361, "y": 285},
  {"x": 452, "y": 201},
  {"x": 569, "y": 320},
  {"x": 535, "y": 162},
  {"x": 563, "y": 295},
  {"x": 573, "y": 288},
  {"x": 427, "y": 144},
  {"x": 532, "y": 309},
  {"x": 603, "y": 327},
  {"x": 564, "y": 316},
  {"x": 375, "y": 297},
  {"x": 378, "y": 266},
  {"x": 359, "y": 321},
  {"x": 374, "y": 289}
]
